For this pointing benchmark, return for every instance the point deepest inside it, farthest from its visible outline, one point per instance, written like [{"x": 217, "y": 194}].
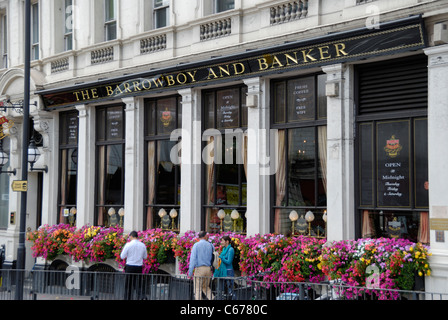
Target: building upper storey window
[
  {"x": 224, "y": 5},
  {"x": 35, "y": 31},
  {"x": 4, "y": 40},
  {"x": 110, "y": 20},
  {"x": 68, "y": 25},
  {"x": 161, "y": 13}
]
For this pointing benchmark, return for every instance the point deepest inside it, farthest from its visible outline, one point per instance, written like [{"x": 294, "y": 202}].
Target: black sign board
[
  {"x": 404, "y": 35},
  {"x": 393, "y": 161}
]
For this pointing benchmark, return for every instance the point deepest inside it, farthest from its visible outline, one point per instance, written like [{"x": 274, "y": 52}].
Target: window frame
[
  {"x": 320, "y": 120},
  {"x": 110, "y": 22},
  {"x": 35, "y": 31},
  {"x": 108, "y": 143},
  {"x": 63, "y": 146},
  {"x": 241, "y": 207},
  {"x": 165, "y": 6},
  {"x": 156, "y": 137}
]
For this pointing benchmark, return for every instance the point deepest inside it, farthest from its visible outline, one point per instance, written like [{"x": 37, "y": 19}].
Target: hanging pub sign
[
  {"x": 392, "y": 37},
  {"x": 4, "y": 125},
  {"x": 393, "y": 160}
]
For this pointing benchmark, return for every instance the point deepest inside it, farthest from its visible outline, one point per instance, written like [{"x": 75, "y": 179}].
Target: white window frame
[
  {"x": 4, "y": 40},
  {"x": 159, "y": 6},
  {"x": 35, "y": 54},
  {"x": 110, "y": 22},
  {"x": 68, "y": 32},
  {"x": 218, "y": 3}
]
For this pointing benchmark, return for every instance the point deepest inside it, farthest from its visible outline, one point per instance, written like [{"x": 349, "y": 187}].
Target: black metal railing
[{"x": 85, "y": 285}]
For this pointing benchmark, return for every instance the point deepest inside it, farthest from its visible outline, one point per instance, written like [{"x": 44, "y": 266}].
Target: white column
[
  {"x": 86, "y": 166},
  {"x": 340, "y": 153},
  {"x": 44, "y": 124},
  {"x": 438, "y": 174},
  {"x": 258, "y": 172},
  {"x": 191, "y": 186},
  {"x": 133, "y": 165}
]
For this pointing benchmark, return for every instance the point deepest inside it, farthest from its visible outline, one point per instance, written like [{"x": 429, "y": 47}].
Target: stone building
[{"x": 333, "y": 109}]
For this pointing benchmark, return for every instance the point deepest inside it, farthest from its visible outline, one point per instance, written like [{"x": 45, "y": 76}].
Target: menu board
[
  {"x": 301, "y": 99},
  {"x": 115, "y": 123},
  {"x": 393, "y": 156},
  {"x": 228, "y": 108},
  {"x": 72, "y": 128}
]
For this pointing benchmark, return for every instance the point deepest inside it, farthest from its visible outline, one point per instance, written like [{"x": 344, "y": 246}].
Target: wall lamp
[
  {"x": 4, "y": 158},
  {"x": 33, "y": 156}
]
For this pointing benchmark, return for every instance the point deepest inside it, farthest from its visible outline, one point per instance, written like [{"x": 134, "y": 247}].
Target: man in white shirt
[{"x": 134, "y": 252}]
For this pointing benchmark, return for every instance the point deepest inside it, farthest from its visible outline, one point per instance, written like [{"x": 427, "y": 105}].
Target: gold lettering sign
[{"x": 438, "y": 224}]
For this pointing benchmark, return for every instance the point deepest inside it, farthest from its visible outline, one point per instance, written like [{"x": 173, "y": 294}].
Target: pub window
[
  {"x": 110, "y": 20},
  {"x": 110, "y": 143},
  {"x": 299, "y": 185},
  {"x": 163, "y": 183},
  {"x": 392, "y": 156},
  {"x": 224, "y": 157},
  {"x": 161, "y": 13},
  {"x": 68, "y": 164},
  {"x": 35, "y": 31}
]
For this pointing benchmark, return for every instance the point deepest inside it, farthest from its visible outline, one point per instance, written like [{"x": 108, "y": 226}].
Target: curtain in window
[
  {"x": 423, "y": 230},
  {"x": 280, "y": 178},
  {"x": 322, "y": 133},
  {"x": 210, "y": 167},
  {"x": 151, "y": 183},
  {"x": 367, "y": 225}
]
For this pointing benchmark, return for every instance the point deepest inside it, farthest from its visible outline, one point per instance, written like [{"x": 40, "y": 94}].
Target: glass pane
[
  {"x": 166, "y": 115},
  {"x": 227, "y": 175},
  {"x": 110, "y": 10},
  {"x": 301, "y": 99},
  {"x": 161, "y": 3},
  {"x": 72, "y": 158},
  {"x": 179, "y": 113},
  {"x": 111, "y": 31},
  {"x": 101, "y": 122},
  {"x": 150, "y": 113},
  {"x": 68, "y": 16},
  {"x": 209, "y": 111},
  {"x": 228, "y": 102},
  {"x": 114, "y": 123},
  {"x": 223, "y": 5},
  {"x": 161, "y": 16},
  {"x": 279, "y": 96},
  {"x": 421, "y": 163},
  {"x": 321, "y": 96},
  {"x": 393, "y": 155},
  {"x": 166, "y": 192},
  {"x": 35, "y": 22},
  {"x": 243, "y": 107},
  {"x": 301, "y": 167},
  {"x": 114, "y": 175},
  {"x": 366, "y": 164},
  {"x": 322, "y": 166}
]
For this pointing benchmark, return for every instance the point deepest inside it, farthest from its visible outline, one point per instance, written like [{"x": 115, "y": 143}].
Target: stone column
[
  {"x": 191, "y": 186},
  {"x": 44, "y": 124},
  {"x": 438, "y": 174},
  {"x": 86, "y": 166},
  {"x": 133, "y": 165},
  {"x": 340, "y": 153},
  {"x": 258, "y": 164}
]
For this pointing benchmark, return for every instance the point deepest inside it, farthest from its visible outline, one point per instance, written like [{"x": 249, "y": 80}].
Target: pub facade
[{"x": 232, "y": 116}]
